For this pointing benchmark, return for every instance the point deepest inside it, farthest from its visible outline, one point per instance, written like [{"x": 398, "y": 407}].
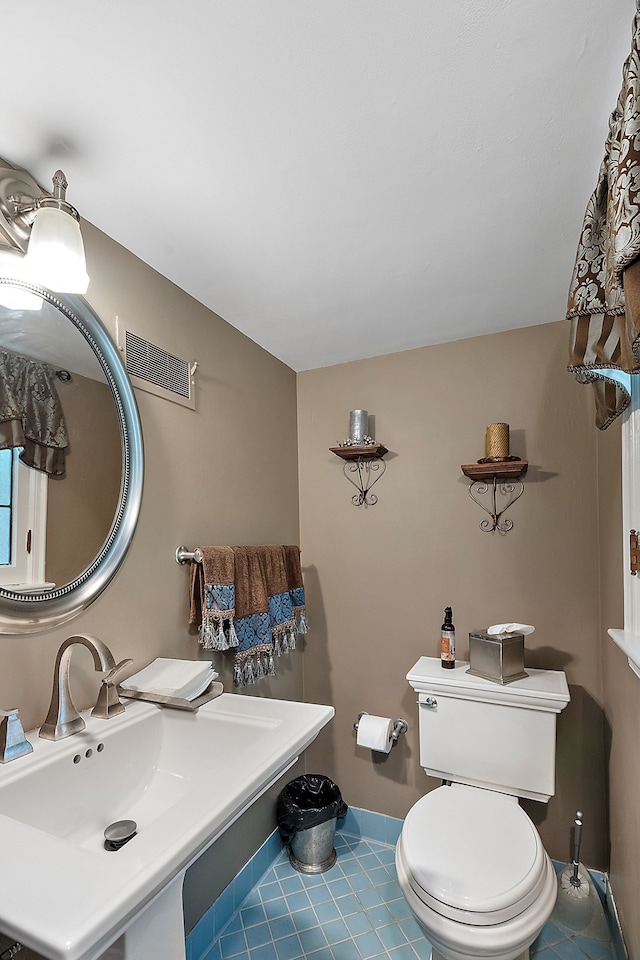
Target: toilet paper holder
[{"x": 399, "y": 726}]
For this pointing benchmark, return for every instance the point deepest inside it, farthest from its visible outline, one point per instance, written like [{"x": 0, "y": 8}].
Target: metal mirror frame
[{"x": 31, "y": 613}]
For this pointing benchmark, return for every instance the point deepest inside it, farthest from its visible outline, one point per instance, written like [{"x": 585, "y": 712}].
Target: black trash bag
[{"x": 307, "y": 802}]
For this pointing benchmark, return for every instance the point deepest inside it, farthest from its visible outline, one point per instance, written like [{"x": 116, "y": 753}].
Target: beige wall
[
  {"x": 81, "y": 505},
  {"x": 379, "y": 578},
  {"x": 225, "y": 473}
]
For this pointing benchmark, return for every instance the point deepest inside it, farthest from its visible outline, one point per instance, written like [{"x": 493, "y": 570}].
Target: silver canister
[{"x": 358, "y": 425}]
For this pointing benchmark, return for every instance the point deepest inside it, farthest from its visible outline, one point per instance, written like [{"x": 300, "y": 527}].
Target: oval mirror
[{"x": 93, "y": 507}]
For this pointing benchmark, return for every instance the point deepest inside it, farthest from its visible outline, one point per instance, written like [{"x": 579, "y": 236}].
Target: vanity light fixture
[{"x": 44, "y": 227}]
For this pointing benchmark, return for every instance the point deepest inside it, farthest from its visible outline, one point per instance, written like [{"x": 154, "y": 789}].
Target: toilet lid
[{"x": 473, "y": 855}]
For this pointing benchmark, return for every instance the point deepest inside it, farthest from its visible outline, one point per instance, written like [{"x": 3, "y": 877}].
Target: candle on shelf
[
  {"x": 358, "y": 425},
  {"x": 496, "y": 444}
]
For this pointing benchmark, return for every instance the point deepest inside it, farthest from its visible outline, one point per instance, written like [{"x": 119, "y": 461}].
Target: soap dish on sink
[{"x": 213, "y": 690}]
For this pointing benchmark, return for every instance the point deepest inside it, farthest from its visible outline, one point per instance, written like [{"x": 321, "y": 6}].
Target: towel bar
[{"x": 184, "y": 555}]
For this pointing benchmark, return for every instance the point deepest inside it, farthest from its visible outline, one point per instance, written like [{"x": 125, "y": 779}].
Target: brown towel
[
  {"x": 212, "y": 597},
  {"x": 264, "y": 620},
  {"x": 296, "y": 585},
  {"x": 251, "y": 590},
  {"x": 283, "y": 622},
  {"x": 292, "y": 565}
]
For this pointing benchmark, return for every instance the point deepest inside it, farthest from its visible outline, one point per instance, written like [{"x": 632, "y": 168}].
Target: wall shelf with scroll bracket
[
  {"x": 502, "y": 481},
  {"x": 499, "y": 475},
  {"x": 363, "y": 466}
]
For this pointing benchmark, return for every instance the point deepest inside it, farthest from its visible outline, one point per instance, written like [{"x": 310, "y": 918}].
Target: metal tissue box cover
[{"x": 498, "y": 658}]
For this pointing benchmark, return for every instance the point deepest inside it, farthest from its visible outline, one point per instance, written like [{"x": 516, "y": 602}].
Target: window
[
  {"x": 23, "y": 517},
  {"x": 628, "y": 639}
]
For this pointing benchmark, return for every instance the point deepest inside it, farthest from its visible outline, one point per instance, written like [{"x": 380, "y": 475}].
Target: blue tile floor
[{"x": 354, "y": 911}]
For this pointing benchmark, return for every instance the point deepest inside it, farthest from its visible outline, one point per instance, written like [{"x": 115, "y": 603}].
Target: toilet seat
[{"x": 472, "y": 855}]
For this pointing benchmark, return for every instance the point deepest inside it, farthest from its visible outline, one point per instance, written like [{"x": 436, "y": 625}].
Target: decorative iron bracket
[
  {"x": 363, "y": 467},
  {"x": 503, "y": 478},
  {"x": 365, "y": 470},
  {"x": 507, "y": 489}
]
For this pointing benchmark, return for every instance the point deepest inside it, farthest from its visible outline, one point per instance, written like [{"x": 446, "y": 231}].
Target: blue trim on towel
[
  {"x": 280, "y": 610},
  {"x": 297, "y": 596},
  {"x": 252, "y": 631},
  {"x": 220, "y": 596}
]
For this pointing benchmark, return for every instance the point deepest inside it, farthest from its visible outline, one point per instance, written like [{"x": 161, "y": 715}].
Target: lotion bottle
[{"x": 448, "y": 642}]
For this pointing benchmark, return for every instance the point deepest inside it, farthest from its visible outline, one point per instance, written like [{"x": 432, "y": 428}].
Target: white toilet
[{"x": 470, "y": 861}]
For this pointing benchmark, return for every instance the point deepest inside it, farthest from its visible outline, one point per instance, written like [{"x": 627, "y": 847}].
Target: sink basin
[{"x": 183, "y": 777}]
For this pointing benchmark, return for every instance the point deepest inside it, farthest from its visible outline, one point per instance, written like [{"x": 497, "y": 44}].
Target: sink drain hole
[{"x": 119, "y": 833}]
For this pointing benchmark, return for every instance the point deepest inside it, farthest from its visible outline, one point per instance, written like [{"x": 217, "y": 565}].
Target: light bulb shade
[
  {"x": 55, "y": 256},
  {"x": 13, "y": 296}
]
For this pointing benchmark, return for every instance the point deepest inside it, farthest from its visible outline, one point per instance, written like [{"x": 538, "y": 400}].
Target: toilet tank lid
[{"x": 540, "y": 690}]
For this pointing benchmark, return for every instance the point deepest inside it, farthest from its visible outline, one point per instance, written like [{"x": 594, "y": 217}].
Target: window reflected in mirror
[
  {"x": 23, "y": 519},
  {"x": 6, "y": 505}
]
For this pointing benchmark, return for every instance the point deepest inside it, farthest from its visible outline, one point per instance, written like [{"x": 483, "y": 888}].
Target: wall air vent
[{"x": 152, "y": 369}]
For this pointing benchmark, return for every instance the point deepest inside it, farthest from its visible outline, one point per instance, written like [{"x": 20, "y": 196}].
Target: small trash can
[{"x": 307, "y": 813}]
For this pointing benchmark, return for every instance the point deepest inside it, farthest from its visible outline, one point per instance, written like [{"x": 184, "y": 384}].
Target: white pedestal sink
[{"x": 183, "y": 777}]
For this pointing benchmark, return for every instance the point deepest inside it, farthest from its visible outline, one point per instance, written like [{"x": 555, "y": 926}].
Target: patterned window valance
[
  {"x": 604, "y": 297},
  {"x": 31, "y": 415}
]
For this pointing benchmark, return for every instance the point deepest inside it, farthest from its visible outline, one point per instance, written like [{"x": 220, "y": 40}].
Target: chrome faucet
[{"x": 63, "y": 719}]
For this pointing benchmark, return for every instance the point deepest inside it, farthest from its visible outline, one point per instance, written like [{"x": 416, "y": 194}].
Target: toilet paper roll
[{"x": 375, "y": 733}]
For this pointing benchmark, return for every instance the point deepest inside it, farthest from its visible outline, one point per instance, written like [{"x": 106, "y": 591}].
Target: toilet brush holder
[
  {"x": 578, "y": 905},
  {"x": 574, "y": 876}
]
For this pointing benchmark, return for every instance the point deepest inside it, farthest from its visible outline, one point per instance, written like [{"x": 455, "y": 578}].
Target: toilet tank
[{"x": 488, "y": 735}]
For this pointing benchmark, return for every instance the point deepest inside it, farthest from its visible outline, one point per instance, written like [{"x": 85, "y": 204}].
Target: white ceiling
[{"x": 336, "y": 178}]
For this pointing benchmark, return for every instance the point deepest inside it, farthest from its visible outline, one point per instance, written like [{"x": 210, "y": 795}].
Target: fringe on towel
[
  {"x": 216, "y": 632},
  {"x": 253, "y": 665}
]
